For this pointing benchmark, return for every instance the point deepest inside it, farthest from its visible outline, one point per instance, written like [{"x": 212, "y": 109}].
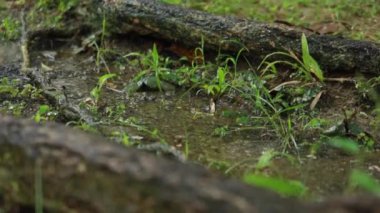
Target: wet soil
[
  {"x": 66, "y": 72},
  {"x": 183, "y": 120}
]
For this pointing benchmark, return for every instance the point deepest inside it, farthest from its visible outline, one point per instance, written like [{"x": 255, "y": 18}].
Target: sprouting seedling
[
  {"x": 155, "y": 63},
  {"x": 218, "y": 85},
  {"x": 95, "y": 92},
  {"x": 41, "y": 113},
  {"x": 309, "y": 63}
]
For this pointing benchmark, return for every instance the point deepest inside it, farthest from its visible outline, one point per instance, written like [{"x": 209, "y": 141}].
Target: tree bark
[
  {"x": 231, "y": 34},
  {"x": 84, "y": 173}
]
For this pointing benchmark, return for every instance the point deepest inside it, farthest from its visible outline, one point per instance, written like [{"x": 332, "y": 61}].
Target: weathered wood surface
[
  {"x": 84, "y": 173},
  {"x": 189, "y": 26}
]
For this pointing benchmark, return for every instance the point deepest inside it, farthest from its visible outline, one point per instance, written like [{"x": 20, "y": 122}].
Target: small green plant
[
  {"x": 277, "y": 106},
  {"x": 96, "y": 91},
  {"x": 133, "y": 122},
  {"x": 287, "y": 188},
  {"x": 115, "y": 112},
  {"x": 10, "y": 29},
  {"x": 101, "y": 50},
  {"x": 16, "y": 96},
  {"x": 65, "y": 5},
  {"x": 218, "y": 85},
  {"x": 62, "y": 5},
  {"x": 82, "y": 125},
  {"x": 9, "y": 87},
  {"x": 41, "y": 114},
  {"x": 155, "y": 73},
  {"x": 266, "y": 158},
  {"x": 14, "y": 109},
  {"x": 345, "y": 144},
  {"x": 187, "y": 147},
  {"x": 255, "y": 91},
  {"x": 364, "y": 181},
  {"x": 44, "y": 3},
  {"x": 172, "y": 1},
  {"x": 221, "y": 131},
  {"x": 123, "y": 138},
  {"x": 155, "y": 65},
  {"x": 308, "y": 67},
  {"x": 54, "y": 11}
]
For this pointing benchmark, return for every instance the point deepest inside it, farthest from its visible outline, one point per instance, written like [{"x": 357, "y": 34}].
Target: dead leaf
[{"x": 316, "y": 100}]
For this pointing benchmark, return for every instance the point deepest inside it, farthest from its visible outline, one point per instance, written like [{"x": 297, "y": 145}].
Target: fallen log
[
  {"x": 85, "y": 173},
  {"x": 188, "y": 26}
]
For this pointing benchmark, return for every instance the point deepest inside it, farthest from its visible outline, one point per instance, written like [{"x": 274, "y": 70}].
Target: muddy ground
[{"x": 64, "y": 71}]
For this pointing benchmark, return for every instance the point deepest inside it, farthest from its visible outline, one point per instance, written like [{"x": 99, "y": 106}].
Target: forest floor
[{"x": 315, "y": 139}]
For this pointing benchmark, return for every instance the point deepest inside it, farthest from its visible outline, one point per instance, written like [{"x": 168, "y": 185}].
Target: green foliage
[
  {"x": 16, "y": 96},
  {"x": 310, "y": 64},
  {"x": 83, "y": 126},
  {"x": 65, "y": 5},
  {"x": 54, "y": 11},
  {"x": 287, "y": 188},
  {"x": 154, "y": 71},
  {"x": 217, "y": 86},
  {"x": 9, "y": 29},
  {"x": 95, "y": 92},
  {"x": 345, "y": 144},
  {"x": 254, "y": 90},
  {"x": 172, "y": 1},
  {"x": 101, "y": 50},
  {"x": 122, "y": 137},
  {"x": 367, "y": 87},
  {"x": 41, "y": 114},
  {"x": 221, "y": 131},
  {"x": 61, "y": 5},
  {"x": 133, "y": 122},
  {"x": 265, "y": 159},
  {"x": 293, "y": 11},
  {"x": 44, "y": 3},
  {"x": 115, "y": 112},
  {"x": 155, "y": 65},
  {"x": 307, "y": 67},
  {"x": 363, "y": 180},
  {"x": 9, "y": 87}
]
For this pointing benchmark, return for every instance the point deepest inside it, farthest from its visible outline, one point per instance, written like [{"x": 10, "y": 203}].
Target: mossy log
[{"x": 189, "y": 27}]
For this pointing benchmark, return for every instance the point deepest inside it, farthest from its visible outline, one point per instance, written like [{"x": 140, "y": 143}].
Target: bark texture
[
  {"x": 84, "y": 173},
  {"x": 229, "y": 33}
]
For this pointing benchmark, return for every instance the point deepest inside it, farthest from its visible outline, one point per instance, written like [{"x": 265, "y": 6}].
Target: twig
[{"x": 24, "y": 45}]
